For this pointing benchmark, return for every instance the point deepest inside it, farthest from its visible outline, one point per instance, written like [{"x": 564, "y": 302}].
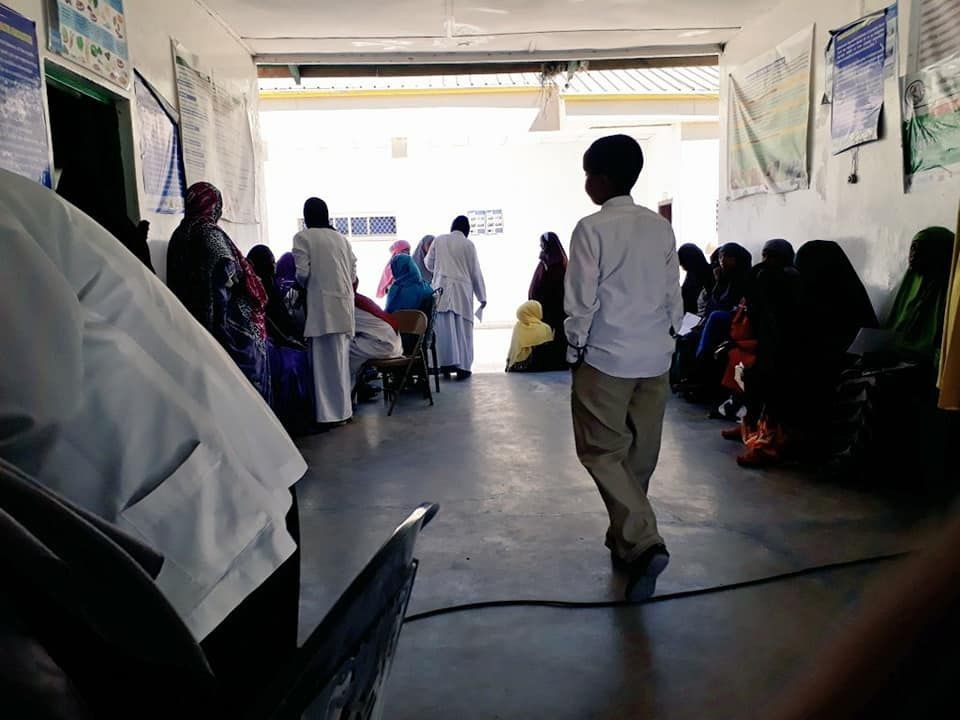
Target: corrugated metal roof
[{"x": 642, "y": 81}]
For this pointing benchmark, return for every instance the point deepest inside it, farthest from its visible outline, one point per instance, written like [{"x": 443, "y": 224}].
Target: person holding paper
[{"x": 453, "y": 261}]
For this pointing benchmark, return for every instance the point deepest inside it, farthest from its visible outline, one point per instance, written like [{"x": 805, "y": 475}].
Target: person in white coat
[
  {"x": 327, "y": 268},
  {"x": 114, "y": 396},
  {"x": 453, "y": 261}
]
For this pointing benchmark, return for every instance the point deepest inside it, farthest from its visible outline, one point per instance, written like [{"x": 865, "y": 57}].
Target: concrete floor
[{"x": 520, "y": 518}]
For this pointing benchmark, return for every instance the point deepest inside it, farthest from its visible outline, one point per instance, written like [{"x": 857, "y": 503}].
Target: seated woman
[
  {"x": 699, "y": 276},
  {"x": 730, "y": 288},
  {"x": 291, "y": 376},
  {"x": 420, "y": 257},
  {"x": 281, "y": 327},
  {"x": 805, "y": 329},
  {"x": 697, "y": 372},
  {"x": 834, "y": 298},
  {"x": 409, "y": 291},
  {"x": 918, "y": 311},
  {"x": 530, "y": 335},
  {"x": 760, "y": 300},
  {"x": 774, "y": 378},
  {"x": 214, "y": 281},
  {"x": 375, "y": 337},
  {"x": 400, "y": 247},
  {"x": 291, "y": 292},
  {"x": 547, "y": 289}
]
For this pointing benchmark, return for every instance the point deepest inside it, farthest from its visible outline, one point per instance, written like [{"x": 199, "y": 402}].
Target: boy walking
[{"x": 623, "y": 298}]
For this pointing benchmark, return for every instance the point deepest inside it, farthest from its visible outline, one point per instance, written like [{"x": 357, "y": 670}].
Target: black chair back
[{"x": 342, "y": 668}]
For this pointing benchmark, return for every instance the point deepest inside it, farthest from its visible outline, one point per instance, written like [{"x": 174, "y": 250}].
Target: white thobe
[
  {"x": 622, "y": 292},
  {"x": 112, "y": 395},
  {"x": 456, "y": 268},
  {"x": 374, "y": 340},
  {"x": 327, "y": 268}
]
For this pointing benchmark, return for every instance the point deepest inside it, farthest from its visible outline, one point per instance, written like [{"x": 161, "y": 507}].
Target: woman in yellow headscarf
[{"x": 529, "y": 333}]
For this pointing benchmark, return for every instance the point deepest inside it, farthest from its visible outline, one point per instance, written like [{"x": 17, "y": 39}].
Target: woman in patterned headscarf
[{"x": 218, "y": 286}]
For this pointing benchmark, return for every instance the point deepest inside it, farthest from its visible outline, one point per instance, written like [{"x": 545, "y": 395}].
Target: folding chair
[
  {"x": 431, "y": 339},
  {"x": 76, "y": 594},
  {"x": 413, "y": 323}
]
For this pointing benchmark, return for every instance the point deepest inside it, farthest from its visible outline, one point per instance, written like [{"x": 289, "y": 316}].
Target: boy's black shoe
[{"x": 644, "y": 572}]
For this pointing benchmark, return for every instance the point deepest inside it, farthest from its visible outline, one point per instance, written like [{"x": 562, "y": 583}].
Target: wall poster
[
  {"x": 769, "y": 117},
  {"x": 935, "y": 35},
  {"x": 23, "y": 133},
  {"x": 92, "y": 33},
  {"x": 859, "y": 57},
  {"x": 161, "y": 162},
  {"x": 217, "y": 137},
  {"x": 931, "y": 124}
]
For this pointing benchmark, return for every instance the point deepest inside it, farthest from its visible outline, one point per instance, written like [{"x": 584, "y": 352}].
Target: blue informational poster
[
  {"x": 161, "y": 162},
  {"x": 23, "y": 132},
  {"x": 861, "y": 55}
]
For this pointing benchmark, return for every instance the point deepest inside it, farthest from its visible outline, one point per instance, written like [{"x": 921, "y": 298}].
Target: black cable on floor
[{"x": 572, "y": 605}]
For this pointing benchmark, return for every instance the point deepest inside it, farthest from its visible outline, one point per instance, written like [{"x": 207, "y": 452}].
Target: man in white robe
[
  {"x": 327, "y": 268},
  {"x": 112, "y": 395},
  {"x": 453, "y": 261},
  {"x": 375, "y": 338}
]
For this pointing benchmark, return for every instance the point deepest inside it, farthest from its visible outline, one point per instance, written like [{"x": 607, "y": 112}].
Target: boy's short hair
[{"x": 619, "y": 157}]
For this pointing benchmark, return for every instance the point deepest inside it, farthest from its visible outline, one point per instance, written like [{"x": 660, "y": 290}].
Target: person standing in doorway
[
  {"x": 453, "y": 261},
  {"x": 622, "y": 296},
  {"x": 327, "y": 268}
]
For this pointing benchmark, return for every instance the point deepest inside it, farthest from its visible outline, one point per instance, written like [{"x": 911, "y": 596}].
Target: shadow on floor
[{"x": 520, "y": 518}]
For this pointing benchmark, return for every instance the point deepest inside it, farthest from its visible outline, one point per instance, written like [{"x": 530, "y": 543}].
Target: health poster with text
[
  {"x": 161, "y": 162},
  {"x": 23, "y": 133},
  {"x": 859, "y": 59},
  {"x": 92, "y": 33},
  {"x": 769, "y": 117},
  {"x": 217, "y": 138},
  {"x": 931, "y": 124}
]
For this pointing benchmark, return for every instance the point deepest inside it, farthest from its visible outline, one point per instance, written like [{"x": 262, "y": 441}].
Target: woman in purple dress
[{"x": 289, "y": 364}]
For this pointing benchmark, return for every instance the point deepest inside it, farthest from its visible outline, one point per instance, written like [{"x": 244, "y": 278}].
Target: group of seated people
[
  {"x": 774, "y": 338},
  {"x": 256, "y": 307}
]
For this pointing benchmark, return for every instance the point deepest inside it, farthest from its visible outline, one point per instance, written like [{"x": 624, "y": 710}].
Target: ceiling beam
[
  {"x": 271, "y": 70},
  {"x": 474, "y": 57}
]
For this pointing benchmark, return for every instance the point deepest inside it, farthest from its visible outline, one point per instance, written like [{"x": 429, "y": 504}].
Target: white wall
[
  {"x": 874, "y": 219},
  {"x": 150, "y": 25},
  {"x": 463, "y": 158}
]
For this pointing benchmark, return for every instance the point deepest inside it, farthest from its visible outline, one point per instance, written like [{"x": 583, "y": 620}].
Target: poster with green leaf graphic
[
  {"x": 931, "y": 124},
  {"x": 92, "y": 33}
]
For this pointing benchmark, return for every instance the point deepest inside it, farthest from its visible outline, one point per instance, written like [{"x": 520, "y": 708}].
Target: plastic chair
[
  {"x": 413, "y": 323},
  {"x": 73, "y": 591}
]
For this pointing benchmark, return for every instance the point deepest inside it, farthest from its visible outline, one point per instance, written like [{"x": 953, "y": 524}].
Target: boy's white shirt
[{"x": 622, "y": 290}]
